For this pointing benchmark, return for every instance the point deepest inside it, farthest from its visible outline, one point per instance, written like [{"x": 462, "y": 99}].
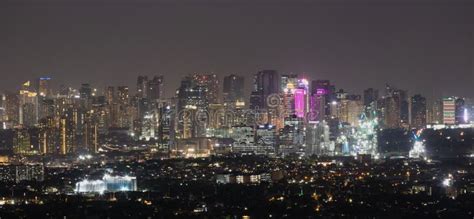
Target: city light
[
  {"x": 305, "y": 109},
  {"x": 107, "y": 184}
]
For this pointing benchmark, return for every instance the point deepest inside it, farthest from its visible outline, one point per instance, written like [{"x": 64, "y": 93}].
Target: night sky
[{"x": 420, "y": 45}]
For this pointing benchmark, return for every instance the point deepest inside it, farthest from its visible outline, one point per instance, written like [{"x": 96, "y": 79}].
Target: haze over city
[
  {"x": 236, "y": 109},
  {"x": 422, "y": 46}
]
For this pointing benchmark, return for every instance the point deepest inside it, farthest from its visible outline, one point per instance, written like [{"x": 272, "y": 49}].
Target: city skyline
[
  {"x": 355, "y": 45},
  {"x": 236, "y": 109}
]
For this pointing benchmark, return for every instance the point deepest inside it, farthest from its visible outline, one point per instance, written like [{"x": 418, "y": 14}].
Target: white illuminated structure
[
  {"x": 91, "y": 186},
  {"x": 419, "y": 149},
  {"x": 448, "y": 181},
  {"x": 107, "y": 184},
  {"x": 365, "y": 136}
]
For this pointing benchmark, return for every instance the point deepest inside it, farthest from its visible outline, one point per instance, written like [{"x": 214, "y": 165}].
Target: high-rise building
[
  {"x": 435, "y": 112},
  {"x": 350, "y": 109},
  {"x": 370, "y": 97},
  {"x": 191, "y": 95},
  {"x": 67, "y": 134},
  {"x": 210, "y": 83},
  {"x": 22, "y": 142},
  {"x": 155, "y": 88},
  {"x": 28, "y": 106},
  {"x": 85, "y": 91},
  {"x": 123, "y": 95},
  {"x": 110, "y": 94},
  {"x": 191, "y": 98},
  {"x": 43, "y": 86},
  {"x": 166, "y": 130},
  {"x": 45, "y": 107},
  {"x": 449, "y": 110},
  {"x": 289, "y": 83},
  {"x": 266, "y": 83},
  {"x": 142, "y": 86},
  {"x": 418, "y": 111},
  {"x": 233, "y": 91},
  {"x": 395, "y": 108},
  {"x": 317, "y": 139},
  {"x": 391, "y": 112},
  {"x": 91, "y": 137},
  {"x": 301, "y": 97},
  {"x": 322, "y": 95}
]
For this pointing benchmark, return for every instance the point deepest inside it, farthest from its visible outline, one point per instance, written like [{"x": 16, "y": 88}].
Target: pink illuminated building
[{"x": 300, "y": 99}]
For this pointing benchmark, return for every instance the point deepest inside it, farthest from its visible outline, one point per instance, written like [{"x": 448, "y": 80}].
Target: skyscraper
[
  {"x": 142, "y": 86},
  {"x": 391, "y": 112},
  {"x": 449, "y": 110},
  {"x": 370, "y": 96},
  {"x": 322, "y": 95},
  {"x": 289, "y": 83},
  {"x": 233, "y": 90},
  {"x": 350, "y": 109},
  {"x": 210, "y": 83},
  {"x": 191, "y": 98},
  {"x": 418, "y": 111},
  {"x": 395, "y": 107},
  {"x": 43, "y": 86},
  {"x": 155, "y": 88},
  {"x": 266, "y": 83},
  {"x": 301, "y": 96},
  {"x": 123, "y": 95},
  {"x": 85, "y": 91},
  {"x": 28, "y": 108},
  {"x": 110, "y": 94}
]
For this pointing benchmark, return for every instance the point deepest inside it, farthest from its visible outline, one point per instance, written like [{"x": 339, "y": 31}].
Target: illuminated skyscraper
[
  {"x": 449, "y": 110},
  {"x": 11, "y": 108},
  {"x": 301, "y": 96},
  {"x": 166, "y": 124},
  {"x": 28, "y": 108},
  {"x": 322, "y": 95},
  {"x": 191, "y": 98},
  {"x": 67, "y": 134},
  {"x": 210, "y": 83},
  {"x": 123, "y": 95},
  {"x": 317, "y": 139},
  {"x": 394, "y": 108},
  {"x": 289, "y": 83},
  {"x": 22, "y": 142},
  {"x": 49, "y": 136},
  {"x": 350, "y": 109}
]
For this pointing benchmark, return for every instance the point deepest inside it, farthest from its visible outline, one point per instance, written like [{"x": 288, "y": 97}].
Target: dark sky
[{"x": 421, "y": 45}]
